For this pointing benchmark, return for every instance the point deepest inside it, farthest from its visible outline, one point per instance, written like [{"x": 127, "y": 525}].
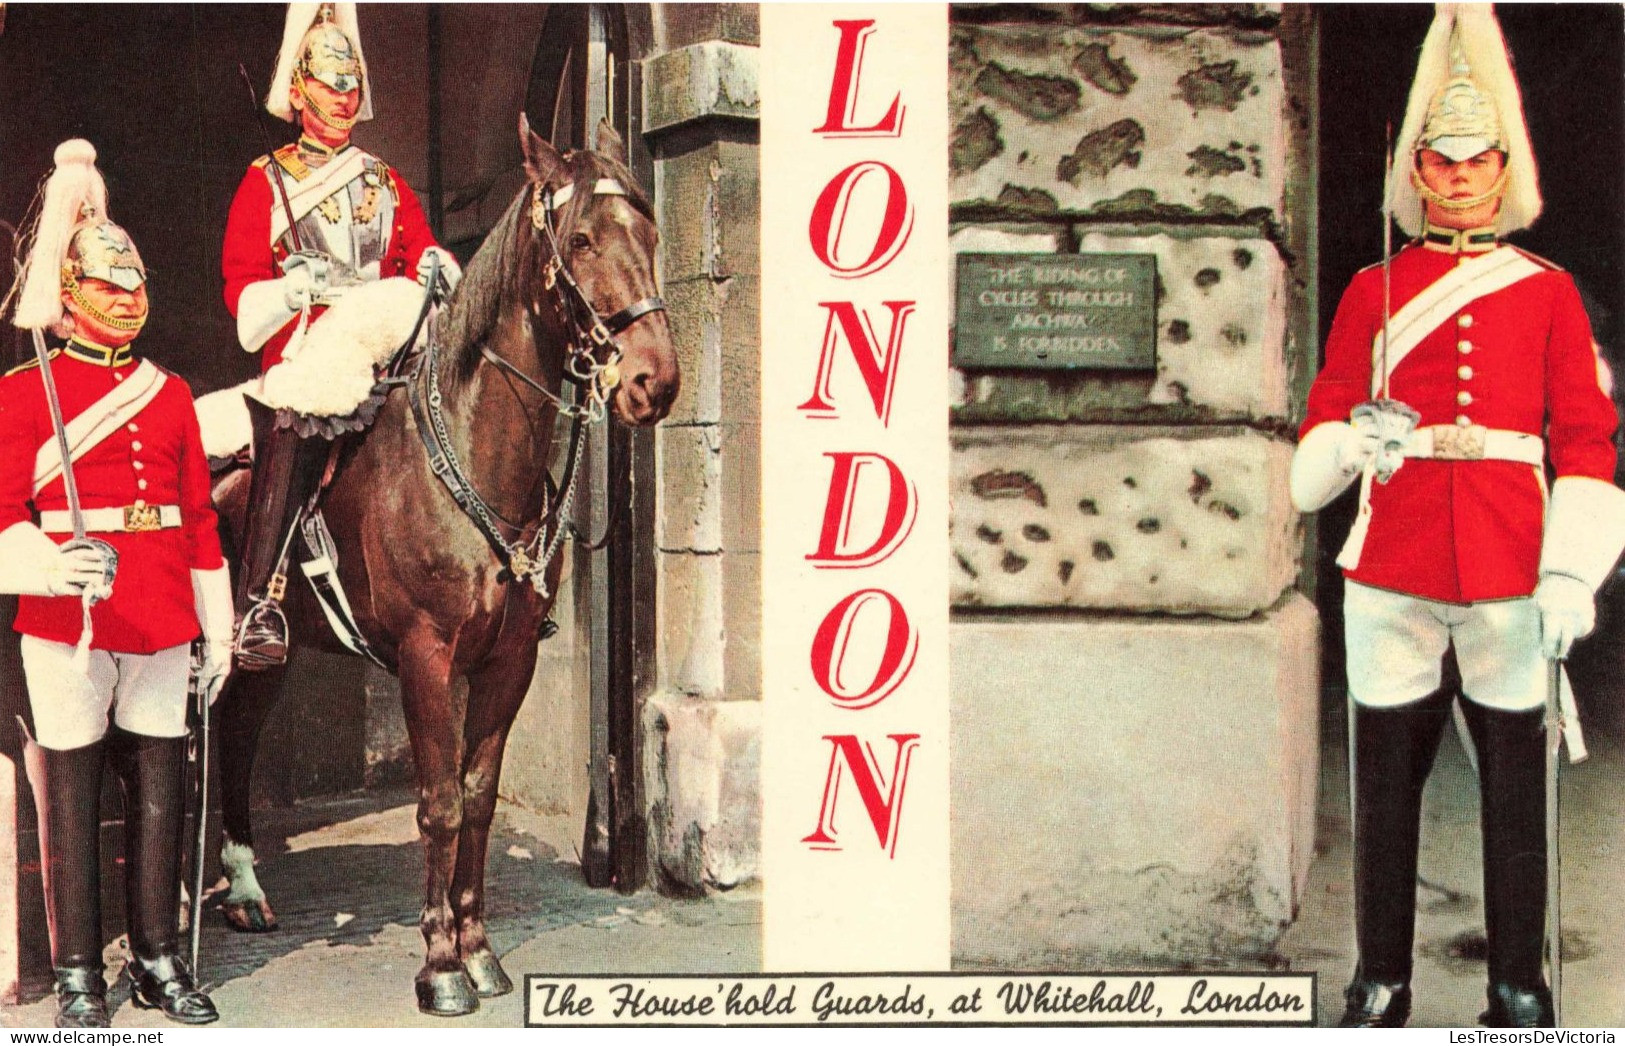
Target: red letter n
[
  {"x": 885, "y": 813},
  {"x": 877, "y": 366}
]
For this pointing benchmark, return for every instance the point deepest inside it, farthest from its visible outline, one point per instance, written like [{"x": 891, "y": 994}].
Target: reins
[{"x": 595, "y": 381}]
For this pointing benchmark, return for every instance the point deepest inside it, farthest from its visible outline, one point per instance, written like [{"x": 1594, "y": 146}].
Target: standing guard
[
  {"x": 310, "y": 222},
  {"x": 94, "y": 441},
  {"x": 1486, "y": 349}
]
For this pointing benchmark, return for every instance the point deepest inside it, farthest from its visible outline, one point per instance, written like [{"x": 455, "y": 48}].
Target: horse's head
[{"x": 596, "y": 236}]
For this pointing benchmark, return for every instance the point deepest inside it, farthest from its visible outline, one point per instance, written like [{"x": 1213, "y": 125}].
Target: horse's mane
[{"x": 472, "y": 311}]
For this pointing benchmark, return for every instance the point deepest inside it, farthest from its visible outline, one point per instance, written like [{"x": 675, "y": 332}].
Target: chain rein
[{"x": 595, "y": 384}]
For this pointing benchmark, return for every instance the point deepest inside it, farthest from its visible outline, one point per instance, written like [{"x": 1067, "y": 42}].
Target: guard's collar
[
  {"x": 316, "y": 150},
  {"x": 102, "y": 356},
  {"x": 1460, "y": 241}
]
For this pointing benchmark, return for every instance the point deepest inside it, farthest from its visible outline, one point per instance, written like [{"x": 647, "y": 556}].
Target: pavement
[{"x": 344, "y": 877}]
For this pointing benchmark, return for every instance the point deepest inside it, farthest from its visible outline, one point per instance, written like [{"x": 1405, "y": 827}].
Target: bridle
[
  {"x": 594, "y": 360},
  {"x": 592, "y": 365}
]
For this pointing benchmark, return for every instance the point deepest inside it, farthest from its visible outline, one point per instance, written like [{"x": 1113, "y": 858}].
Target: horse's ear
[
  {"x": 610, "y": 143},
  {"x": 542, "y": 161}
]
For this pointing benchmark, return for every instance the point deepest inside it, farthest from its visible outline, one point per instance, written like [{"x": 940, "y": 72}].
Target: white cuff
[
  {"x": 261, "y": 312},
  {"x": 211, "y": 592},
  {"x": 1316, "y": 478},
  {"x": 1585, "y": 530},
  {"x": 26, "y": 556}
]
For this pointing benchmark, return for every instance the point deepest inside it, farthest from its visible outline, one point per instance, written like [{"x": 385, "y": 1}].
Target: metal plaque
[{"x": 1056, "y": 311}]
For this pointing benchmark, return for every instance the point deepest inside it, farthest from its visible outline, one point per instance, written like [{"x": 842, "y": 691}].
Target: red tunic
[
  {"x": 248, "y": 256},
  {"x": 152, "y": 606},
  {"x": 1465, "y": 531}
]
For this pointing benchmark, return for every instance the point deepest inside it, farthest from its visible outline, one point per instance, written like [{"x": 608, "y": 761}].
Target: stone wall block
[
  {"x": 1221, "y": 321},
  {"x": 1116, "y": 121},
  {"x": 739, "y": 300},
  {"x": 709, "y": 79},
  {"x": 716, "y": 190},
  {"x": 689, "y": 463},
  {"x": 1159, "y": 818},
  {"x": 1176, "y": 520},
  {"x": 690, "y": 642},
  {"x": 742, "y": 627},
  {"x": 741, "y": 496},
  {"x": 694, "y": 308},
  {"x": 702, "y": 764}
]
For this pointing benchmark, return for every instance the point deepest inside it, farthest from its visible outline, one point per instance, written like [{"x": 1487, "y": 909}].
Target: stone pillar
[
  {"x": 702, "y": 722},
  {"x": 1135, "y": 690}
]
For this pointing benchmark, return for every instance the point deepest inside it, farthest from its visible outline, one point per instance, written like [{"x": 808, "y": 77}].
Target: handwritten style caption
[{"x": 919, "y": 999}]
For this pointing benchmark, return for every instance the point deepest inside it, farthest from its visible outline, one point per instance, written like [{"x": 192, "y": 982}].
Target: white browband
[{"x": 604, "y": 187}]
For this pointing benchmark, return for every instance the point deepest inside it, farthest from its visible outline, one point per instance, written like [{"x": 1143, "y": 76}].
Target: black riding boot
[
  {"x": 67, "y": 794},
  {"x": 286, "y": 471},
  {"x": 1394, "y": 750},
  {"x": 1512, "y": 800},
  {"x": 152, "y": 769}
]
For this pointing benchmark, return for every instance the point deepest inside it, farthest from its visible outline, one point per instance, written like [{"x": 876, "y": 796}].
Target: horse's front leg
[
  {"x": 494, "y": 696},
  {"x": 244, "y": 706},
  {"x": 434, "y": 721}
]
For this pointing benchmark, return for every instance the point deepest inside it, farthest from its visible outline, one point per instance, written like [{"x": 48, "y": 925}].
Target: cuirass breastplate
[{"x": 351, "y": 227}]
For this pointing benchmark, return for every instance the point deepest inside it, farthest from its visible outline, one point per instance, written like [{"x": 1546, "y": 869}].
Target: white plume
[{"x": 74, "y": 193}]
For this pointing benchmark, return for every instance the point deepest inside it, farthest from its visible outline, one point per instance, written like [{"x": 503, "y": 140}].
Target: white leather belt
[
  {"x": 132, "y": 519},
  {"x": 1475, "y": 443}
]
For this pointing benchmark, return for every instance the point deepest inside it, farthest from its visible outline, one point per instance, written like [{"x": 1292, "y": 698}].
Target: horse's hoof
[
  {"x": 446, "y": 993},
  {"x": 249, "y": 916},
  {"x": 486, "y": 971}
]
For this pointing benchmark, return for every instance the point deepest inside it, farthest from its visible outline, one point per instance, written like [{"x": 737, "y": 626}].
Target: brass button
[
  {"x": 1464, "y": 373},
  {"x": 139, "y": 466},
  {"x": 141, "y": 484},
  {"x": 133, "y": 427},
  {"x": 135, "y": 444},
  {"x": 1464, "y": 346},
  {"x": 1464, "y": 320},
  {"x": 1463, "y": 420},
  {"x": 1464, "y": 398}
]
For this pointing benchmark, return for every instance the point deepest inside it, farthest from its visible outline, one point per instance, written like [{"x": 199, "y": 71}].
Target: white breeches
[
  {"x": 145, "y": 692},
  {"x": 1396, "y": 646}
]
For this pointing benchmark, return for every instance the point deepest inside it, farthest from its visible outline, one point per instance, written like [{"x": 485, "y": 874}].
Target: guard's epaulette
[
  {"x": 1544, "y": 263},
  {"x": 31, "y": 364},
  {"x": 288, "y": 159},
  {"x": 386, "y": 175}
]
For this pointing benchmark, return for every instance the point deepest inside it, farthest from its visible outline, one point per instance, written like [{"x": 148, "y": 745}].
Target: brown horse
[{"x": 563, "y": 286}]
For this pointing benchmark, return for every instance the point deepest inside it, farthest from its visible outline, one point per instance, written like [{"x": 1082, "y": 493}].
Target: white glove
[
  {"x": 1567, "y": 612},
  {"x": 1361, "y": 442},
  {"x": 31, "y": 564},
  {"x": 211, "y": 593},
  {"x": 450, "y": 271},
  {"x": 1392, "y": 422},
  {"x": 304, "y": 279},
  {"x": 1327, "y": 460}
]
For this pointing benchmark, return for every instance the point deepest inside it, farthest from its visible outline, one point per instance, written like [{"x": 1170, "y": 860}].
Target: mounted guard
[
  {"x": 1457, "y": 372},
  {"x": 102, "y": 466},
  {"x": 314, "y": 224}
]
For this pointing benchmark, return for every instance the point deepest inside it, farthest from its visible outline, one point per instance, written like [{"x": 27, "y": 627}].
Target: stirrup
[{"x": 262, "y": 636}]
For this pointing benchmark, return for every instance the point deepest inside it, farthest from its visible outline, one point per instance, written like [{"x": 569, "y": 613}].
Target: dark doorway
[{"x": 584, "y": 72}]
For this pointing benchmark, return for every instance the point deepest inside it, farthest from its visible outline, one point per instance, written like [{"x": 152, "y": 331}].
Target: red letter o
[{"x": 829, "y": 220}]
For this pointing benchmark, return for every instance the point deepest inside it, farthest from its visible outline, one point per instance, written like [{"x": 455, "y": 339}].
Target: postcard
[{"x": 685, "y": 515}]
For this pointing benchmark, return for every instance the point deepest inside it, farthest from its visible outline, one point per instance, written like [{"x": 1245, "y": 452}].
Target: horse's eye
[{"x": 580, "y": 242}]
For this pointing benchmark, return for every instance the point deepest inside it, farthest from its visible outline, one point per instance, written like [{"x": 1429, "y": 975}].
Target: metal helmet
[{"x": 320, "y": 42}]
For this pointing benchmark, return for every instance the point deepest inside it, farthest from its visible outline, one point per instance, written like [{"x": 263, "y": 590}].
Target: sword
[
  {"x": 1554, "y": 861},
  {"x": 1394, "y": 421},
  {"x": 276, "y": 168},
  {"x": 199, "y": 850}
]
